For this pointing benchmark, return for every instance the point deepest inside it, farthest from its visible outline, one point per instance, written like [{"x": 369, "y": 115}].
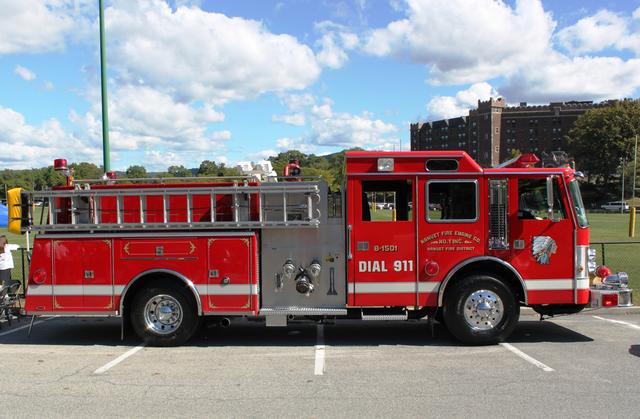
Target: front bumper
[{"x": 610, "y": 296}]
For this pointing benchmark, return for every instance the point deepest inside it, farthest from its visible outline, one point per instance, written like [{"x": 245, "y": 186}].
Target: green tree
[
  {"x": 133, "y": 172},
  {"x": 179, "y": 171},
  {"x": 84, "y": 170},
  {"x": 210, "y": 168},
  {"x": 603, "y": 137}
]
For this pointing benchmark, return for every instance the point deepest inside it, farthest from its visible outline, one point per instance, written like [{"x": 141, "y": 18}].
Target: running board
[
  {"x": 376, "y": 315},
  {"x": 303, "y": 311}
]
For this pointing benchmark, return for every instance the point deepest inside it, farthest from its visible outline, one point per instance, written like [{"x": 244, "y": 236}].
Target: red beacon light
[
  {"x": 60, "y": 165},
  {"x": 523, "y": 161}
]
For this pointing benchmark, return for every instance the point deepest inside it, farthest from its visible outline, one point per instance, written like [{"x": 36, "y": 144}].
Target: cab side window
[
  {"x": 387, "y": 200},
  {"x": 455, "y": 201},
  {"x": 532, "y": 200}
]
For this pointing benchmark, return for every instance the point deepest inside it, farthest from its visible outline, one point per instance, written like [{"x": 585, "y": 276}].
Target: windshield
[{"x": 577, "y": 202}]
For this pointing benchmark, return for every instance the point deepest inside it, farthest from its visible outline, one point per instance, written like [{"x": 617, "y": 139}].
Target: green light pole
[{"x": 103, "y": 80}]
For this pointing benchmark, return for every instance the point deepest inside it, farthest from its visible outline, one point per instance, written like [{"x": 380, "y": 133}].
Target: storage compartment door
[
  {"x": 82, "y": 275},
  {"x": 230, "y": 283}
]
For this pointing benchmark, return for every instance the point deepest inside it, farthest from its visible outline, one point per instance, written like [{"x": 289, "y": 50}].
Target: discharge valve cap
[{"x": 303, "y": 284}]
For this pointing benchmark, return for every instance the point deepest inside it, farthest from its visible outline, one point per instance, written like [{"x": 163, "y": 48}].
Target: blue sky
[{"x": 242, "y": 80}]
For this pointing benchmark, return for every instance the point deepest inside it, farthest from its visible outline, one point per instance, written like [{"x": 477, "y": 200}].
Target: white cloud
[
  {"x": 334, "y": 43},
  {"x": 297, "y": 119},
  {"x": 196, "y": 55},
  {"x": 34, "y": 26},
  {"x": 24, "y": 73},
  {"x": 24, "y": 145},
  {"x": 221, "y": 135},
  {"x": 466, "y": 41},
  {"x": 142, "y": 117},
  {"x": 262, "y": 154},
  {"x": 343, "y": 129},
  {"x": 444, "y": 107},
  {"x": 594, "y": 33},
  {"x": 48, "y": 85},
  {"x": 579, "y": 78}
]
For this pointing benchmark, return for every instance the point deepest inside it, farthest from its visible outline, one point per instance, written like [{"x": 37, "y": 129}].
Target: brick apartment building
[{"x": 492, "y": 131}]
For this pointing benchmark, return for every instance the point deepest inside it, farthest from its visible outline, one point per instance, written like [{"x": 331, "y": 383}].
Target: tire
[
  {"x": 164, "y": 315},
  {"x": 480, "y": 310}
]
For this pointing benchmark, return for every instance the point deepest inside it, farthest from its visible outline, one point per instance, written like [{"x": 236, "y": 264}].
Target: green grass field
[{"x": 624, "y": 256}]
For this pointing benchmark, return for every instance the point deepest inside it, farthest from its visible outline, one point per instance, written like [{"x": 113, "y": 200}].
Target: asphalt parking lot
[{"x": 573, "y": 366}]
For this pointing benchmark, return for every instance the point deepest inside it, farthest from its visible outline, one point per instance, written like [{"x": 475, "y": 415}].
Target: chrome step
[
  {"x": 374, "y": 317},
  {"x": 303, "y": 311}
]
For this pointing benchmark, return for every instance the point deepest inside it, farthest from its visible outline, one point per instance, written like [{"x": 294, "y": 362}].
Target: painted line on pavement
[
  {"x": 8, "y": 332},
  {"x": 631, "y": 325},
  {"x": 526, "y": 357},
  {"x": 106, "y": 367},
  {"x": 320, "y": 347}
]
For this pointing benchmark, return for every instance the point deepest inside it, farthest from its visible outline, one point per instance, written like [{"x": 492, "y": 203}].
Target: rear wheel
[
  {"x": 164, "y": 315},
  {"x": 480, "y": 310}
]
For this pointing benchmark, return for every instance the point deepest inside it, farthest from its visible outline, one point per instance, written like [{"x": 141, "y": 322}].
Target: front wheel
[
  {"x": 481, "y": 310},
  {"x": 164, "y": 316}
]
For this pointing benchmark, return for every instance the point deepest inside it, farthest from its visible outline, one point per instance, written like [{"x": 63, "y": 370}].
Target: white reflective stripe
[
  {"x": 228, "y": 289},
  {"x": 33, "y": 289},
  {"x": 549, "y": 284},
  {"x": 391, "y": 287},
  {"x": 428, "y": 286},
  {"x": 583, "y": 284}
]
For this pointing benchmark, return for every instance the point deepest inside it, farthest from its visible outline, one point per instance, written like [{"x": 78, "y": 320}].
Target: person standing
[{"x": 6, "y": 260}]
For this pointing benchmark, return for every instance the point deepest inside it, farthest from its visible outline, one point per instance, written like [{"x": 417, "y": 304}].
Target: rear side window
[{"x": 452, "y": 201}]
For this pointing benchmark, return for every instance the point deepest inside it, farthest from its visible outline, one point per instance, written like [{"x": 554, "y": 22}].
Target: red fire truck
[{"x": 462, "y": 244}]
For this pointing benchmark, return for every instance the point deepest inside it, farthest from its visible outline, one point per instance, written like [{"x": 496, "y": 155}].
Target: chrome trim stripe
[
  {"x": 462, "y": 264},
  {"x": 183, "y": 278},
  {"x": 391, "y": 287}
]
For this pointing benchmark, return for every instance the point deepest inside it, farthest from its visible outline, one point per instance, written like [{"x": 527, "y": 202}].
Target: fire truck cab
[{"x": 466, "y": 245}]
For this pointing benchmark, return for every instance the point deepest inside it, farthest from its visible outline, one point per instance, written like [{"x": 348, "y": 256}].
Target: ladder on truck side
[{"x": 279, "y": 205}]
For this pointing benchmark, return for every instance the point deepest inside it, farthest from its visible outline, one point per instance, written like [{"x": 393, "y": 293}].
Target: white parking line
[
  {"x": 319, "y": 364},
  {"x": 106, "y": 367},
  {"x": 631, "y": 325},
  {"x": 526, "y": 357},
  {"x": 8, "y": 332}
]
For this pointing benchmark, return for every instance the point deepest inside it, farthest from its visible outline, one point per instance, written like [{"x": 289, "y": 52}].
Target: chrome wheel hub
[
  {"x": 483, "y": 310},
  {"x": 163, "y": 314}
]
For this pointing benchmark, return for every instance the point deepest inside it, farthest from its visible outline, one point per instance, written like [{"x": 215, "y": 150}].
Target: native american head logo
[{"x": 542, "y": 249}]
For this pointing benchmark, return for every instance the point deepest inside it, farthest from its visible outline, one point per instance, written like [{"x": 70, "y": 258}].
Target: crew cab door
[
  {"x": 381, "y": 236},
  {"x": 542, "y": 238}
]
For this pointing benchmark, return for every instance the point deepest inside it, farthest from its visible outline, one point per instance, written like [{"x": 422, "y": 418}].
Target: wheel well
[
  {"x": 151, "y": 278},
  {"x": 499, "y": 270}
]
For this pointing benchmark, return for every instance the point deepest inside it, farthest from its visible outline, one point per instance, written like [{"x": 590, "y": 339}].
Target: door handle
[{"x": 349, "y": 254}]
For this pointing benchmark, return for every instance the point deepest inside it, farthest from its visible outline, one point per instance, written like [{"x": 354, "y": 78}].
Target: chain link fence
[
  {"x": 20, "y": 269},
  {"x": 620, "y": 257}
]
